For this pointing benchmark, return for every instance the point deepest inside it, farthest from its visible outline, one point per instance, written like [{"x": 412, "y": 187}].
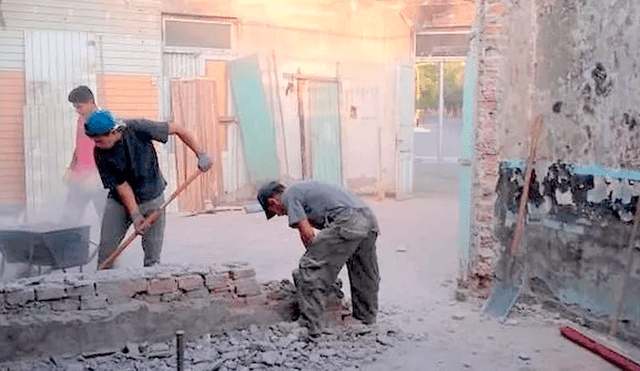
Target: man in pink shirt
[{"x": 82, "y": 175}]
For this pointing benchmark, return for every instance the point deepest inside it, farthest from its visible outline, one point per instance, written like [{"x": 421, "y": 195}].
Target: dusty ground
[{"x": 429, "y": 329}]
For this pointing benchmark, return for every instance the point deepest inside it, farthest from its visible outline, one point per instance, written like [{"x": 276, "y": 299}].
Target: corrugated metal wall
[
  {"x": 128, "y": 63},
  {"x": 55, "y": 62}
]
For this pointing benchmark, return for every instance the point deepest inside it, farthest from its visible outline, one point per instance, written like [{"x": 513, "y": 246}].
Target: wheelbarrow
[{"x": 56, "y": 246}]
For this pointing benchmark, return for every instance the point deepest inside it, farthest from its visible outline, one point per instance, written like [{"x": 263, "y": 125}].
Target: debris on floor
[{"x": 283, "y": 346}]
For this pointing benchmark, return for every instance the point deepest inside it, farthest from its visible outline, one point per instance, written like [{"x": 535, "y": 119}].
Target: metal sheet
[
  {"x": 324, "y": 123},
  {"x": 55, "y": 63},
  {"x": 405, "y": 92},
  {"x": 256, "y": 122}
]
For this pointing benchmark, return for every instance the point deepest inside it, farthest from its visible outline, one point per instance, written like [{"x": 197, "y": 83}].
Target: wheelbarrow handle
[{"x": 150, "y": 219}]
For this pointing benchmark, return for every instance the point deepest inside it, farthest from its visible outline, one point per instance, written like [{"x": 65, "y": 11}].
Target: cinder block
[
  {"x": 190, "y": 282},
  {"x": 86, "y": 289},
  {"x": 93, "y": 302},
  {"x": 162, "y": 285},
  {"x": 65, "y": 305},
  {"x": 246, "y": 287},
  {"x": 50, "y": 292},
  {"x": 20, "y": 296},
  {"x": 216, "y": 281}
]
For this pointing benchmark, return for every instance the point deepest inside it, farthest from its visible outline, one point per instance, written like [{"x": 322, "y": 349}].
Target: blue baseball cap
[{"x": 99, "y": 123}]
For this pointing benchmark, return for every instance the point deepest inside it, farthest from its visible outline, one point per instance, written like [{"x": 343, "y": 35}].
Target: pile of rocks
[{"x": 283, "y": 346}]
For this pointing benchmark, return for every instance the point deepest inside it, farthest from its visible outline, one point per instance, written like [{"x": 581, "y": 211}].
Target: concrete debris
[
  {"x": 284, "y": 346},
  {"x": 524, "y": 357}
]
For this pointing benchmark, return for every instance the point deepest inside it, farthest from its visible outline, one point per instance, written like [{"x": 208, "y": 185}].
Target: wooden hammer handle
[{"x": 150, "y": 219}]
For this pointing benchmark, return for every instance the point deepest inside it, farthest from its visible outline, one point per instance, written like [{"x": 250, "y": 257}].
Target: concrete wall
[
  {"x": 574, "y": 62},
  {"x": 70, "y": 314}
]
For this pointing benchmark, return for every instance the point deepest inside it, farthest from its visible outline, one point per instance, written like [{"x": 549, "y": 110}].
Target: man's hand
[
  {"x": 204, "y": 162},
  {"x": 139, "y": 223},
  {"x": 307, "y": 235}
]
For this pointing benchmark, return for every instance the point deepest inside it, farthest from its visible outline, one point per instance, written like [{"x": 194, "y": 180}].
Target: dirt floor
[{"x": 423, "y": 324}]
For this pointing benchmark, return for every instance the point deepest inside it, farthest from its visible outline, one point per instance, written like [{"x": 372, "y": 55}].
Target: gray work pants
[
  {"x": 116, "y": 222},
  {"x": 348, "y": 239}
]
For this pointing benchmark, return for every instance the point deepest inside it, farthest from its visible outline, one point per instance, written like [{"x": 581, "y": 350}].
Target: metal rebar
[{"x": 180, "y": 350}]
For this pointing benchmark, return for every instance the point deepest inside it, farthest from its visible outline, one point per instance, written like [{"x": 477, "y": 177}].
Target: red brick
[
  {"x": 215, "y": 281},
  {"x": 190, "y": 282},
  {"x": 162, "y": 285}
]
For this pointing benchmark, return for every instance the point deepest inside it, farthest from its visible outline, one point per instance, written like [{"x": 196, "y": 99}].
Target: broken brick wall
[
  {"x": 83, "y": 313},
  {"x": 575, "y": 63}
]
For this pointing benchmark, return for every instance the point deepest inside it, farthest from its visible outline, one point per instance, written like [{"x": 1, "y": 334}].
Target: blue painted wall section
[
  {"x": 579, "y": 220},
  {"x": 255, "y": 119}
]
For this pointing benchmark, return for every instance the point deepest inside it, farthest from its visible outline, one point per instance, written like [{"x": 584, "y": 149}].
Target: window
[
  {"x": 182, "y": 33},
  {"x": 442, "y": 44}
]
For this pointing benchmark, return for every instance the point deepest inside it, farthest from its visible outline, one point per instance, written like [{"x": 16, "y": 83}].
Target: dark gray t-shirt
[
  {"x": 133, "y": 160},
  {"x": 317, "y": 201}
]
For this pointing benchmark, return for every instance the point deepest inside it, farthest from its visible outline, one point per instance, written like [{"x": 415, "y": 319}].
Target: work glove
[
  {"x": 204, "y": 162},
  {"x": 138, "y": 223}
]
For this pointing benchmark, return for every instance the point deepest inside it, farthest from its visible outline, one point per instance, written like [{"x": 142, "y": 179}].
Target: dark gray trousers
[
  {"x": 349, "y": 239},
  {"x": 115, "y": 223}
]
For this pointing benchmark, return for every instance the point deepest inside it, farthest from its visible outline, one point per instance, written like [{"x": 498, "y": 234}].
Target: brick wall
[
  {"x": 61, "y": 314},
  {"x": 490, "y": 46}
]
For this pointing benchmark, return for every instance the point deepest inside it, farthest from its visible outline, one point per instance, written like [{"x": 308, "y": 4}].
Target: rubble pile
[{"x": 283, "y": 346}]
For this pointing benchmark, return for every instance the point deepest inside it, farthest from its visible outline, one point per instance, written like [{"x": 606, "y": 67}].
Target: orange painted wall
[
  {"x": 12, "y": 181},
  {"x": 129, "y": 96}
]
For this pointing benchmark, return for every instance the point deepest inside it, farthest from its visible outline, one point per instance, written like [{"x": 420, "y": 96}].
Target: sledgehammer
[{"x": 147, "y": 222}]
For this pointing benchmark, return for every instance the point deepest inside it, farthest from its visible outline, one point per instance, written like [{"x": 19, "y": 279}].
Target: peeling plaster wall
[{"x": 574, "y": 62}]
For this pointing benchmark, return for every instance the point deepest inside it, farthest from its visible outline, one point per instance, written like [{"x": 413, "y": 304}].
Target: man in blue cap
[
  {"x": 128, "y": 166},
  {"x": 348, "y": 233}
]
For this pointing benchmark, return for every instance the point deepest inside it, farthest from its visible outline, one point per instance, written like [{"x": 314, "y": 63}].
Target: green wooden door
[{"x": 324, "y": 124}]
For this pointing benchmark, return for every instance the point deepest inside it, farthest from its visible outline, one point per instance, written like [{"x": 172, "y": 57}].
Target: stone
[
  {"x": 238, "y": 270},
  {"x": 49, "y": 292},
  {"x": 190, "y": 282},
  {"x": 20, "y": 296},
  {"x": 460, "y": 296},
  {"x": 216, "y": 281},
  {"x": 466, "y": 364},
  {"x": 524, "y": 357},
  {"x": 162, "y": 285},
  {"x": 94, "y": 302},
  {"x": 457, "y": 317},
  {"x": 65, "y": 305},
  {"x": 86, "y": 289},
  {"x": 271, "y": 358},
  {"x": 314, "y": 357},
  {"x": 246, "y": 287}
]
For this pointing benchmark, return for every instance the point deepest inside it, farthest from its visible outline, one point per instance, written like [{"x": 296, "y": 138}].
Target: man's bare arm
[
  {"x": 204, "y": 161},
  {"x": 307, "y": 235}
]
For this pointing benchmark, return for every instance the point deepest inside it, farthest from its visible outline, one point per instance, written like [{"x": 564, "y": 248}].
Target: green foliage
[{"x": 428, "y": 89}]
